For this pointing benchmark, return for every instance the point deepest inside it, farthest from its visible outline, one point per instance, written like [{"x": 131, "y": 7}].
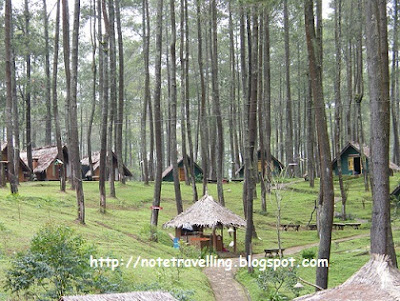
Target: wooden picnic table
[
  {"x": 287, "y": 226},
  {"x": 271, "y": 252},
  {"x": 354, "y": 225},
  {"x": 339, "y": 226}
]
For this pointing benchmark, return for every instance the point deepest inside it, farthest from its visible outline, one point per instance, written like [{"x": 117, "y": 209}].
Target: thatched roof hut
[
  {"x": 23, "y": 171},
  {"x": 207, "y": 213},
  {"x": 134, "y": 296},
  {"x": 377, "y": 280},
  {"x": 167, "y": 174}
]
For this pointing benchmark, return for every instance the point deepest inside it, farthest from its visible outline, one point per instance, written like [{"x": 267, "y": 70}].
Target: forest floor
[{"x": 124, "y": 232}]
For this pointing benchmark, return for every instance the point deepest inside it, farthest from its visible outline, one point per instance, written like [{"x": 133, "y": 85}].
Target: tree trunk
[
  {"x": 9, "y": 99},
  {"x": 173, "y": 151},
  {"x": 55, "y": 101},
  {"x": 113, "y": 97},
  {"x": 378, "y": 75},
  {"x": 157, "y": 115},
  {"x": 143, "y": 141},
  {"x": 289, "y": 121},
  {"x": 314, "y": 46},
  {"x": 204, "y": 130},
  {"x": 338, "y": 101},
  {"x": 94, "y": 70},
  {"x": 103, "y": 93},
  {"x": 396, "y": 147},
  {"x": 121, "y": 87},
  {"x": 310, "y": 134},
  {"x": 47, "y": 69},
  {"x": 216, "y": 103},
  {"x": 28, "y": 91}
]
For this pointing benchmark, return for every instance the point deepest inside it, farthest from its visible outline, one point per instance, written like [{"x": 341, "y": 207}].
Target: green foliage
[
  {"x": 272, "y": 280},
  {"x": 57, "y": 263},
  {"x": 308, "y": 254}
]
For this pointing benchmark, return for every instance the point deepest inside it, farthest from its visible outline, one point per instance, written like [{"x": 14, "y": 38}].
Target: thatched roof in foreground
[
  {"x": 375, "y": 281},
  {"x": 134, "y": 296},
  {"x": 206, "y": 213}
]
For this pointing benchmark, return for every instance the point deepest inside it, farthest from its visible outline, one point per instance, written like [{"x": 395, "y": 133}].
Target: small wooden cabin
[
  {"x": 205, "y": 213},
  {"x": 351, "y": 160},
  {"x": 86, "y": 174},
  {"x": 46, "y": 163},
  {"x": 275, "y": 166},
  {"x": 167, "y": 175},
  {"x": 23, "y": 170}
]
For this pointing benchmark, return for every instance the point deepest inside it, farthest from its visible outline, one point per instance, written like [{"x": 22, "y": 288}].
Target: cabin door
[{"x": 182, "y": 174}]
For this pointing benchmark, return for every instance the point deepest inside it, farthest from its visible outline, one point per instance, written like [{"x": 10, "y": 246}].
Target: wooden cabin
[
  {"x": 205, "y": 214},
  {"x": 275, "y": 166},
  {"x": 23, "y": 170},
  {"x": 351, "y": 160},
  {"x": 46, "y": 163},
  {"x": 86, "y": 174},
  {"x": 167, "y": 175}
]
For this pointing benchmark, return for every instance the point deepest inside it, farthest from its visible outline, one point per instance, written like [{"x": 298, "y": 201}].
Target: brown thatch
[
  {"x": 3, "y": 154},
  {"x": 45, "y": 157},
  {"x": 377, "y": 280},
  {"x": 96, "y": 164},
  {"x": 208, "y": 214},
  {"x": 134, "y": 296}
]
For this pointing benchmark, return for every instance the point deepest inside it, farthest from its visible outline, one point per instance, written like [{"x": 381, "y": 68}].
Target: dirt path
[{"x": 226, "y": 287}]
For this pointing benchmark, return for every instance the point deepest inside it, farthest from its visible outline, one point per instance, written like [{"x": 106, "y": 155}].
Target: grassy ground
[{"x": 123, "y": 231}]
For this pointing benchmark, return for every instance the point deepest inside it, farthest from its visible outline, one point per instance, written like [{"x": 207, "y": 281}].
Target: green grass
[{"x": 124, "y": 230}]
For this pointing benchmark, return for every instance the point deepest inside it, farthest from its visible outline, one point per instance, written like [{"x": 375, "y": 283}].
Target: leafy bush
[
  {"x": 56, "y": 264},
  {"x": 308, "y": 254}
]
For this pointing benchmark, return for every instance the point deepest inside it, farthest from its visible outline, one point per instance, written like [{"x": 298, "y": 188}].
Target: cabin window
[{"x": 350, "y": 163}]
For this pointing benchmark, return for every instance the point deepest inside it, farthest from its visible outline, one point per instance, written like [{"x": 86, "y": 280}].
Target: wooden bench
[
  {"x": 354, "y": 225},
  {"x": 312, "y": 226},
  {"x": 287, "y": 226},
  {"x": 339, "y": 226},
  {"x": 271, "y": 252}
]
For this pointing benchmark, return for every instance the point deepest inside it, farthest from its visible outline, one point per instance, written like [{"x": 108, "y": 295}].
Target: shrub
[{"x": 56, "y": 264}]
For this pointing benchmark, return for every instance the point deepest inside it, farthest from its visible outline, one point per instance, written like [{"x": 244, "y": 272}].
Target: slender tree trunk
[
  {"x": 15, "y": 115},
  {"x": 314, "y": 46},
  {"x": 216, "y": 103},
  {"x": 9, "y": 99},
  {"x": 55, "y": 101},
  {"x": 94, "y": 70},
  {"x": 143, "y": 141},
  {"x": 121, "y": 87},
  {"x": 267, "y": 99},
  {"x": 157, "y": 114},
  {"x": 173, "y": 151},
  {"x": 310, "y": 135},
  {"x": 103, "y": 93},
  {"x": 28, "y": 90},
  {"x": 289, "y": 121},
  {"x": 47, "y": 69},
  {"x": 338, "y": 101},
  {"x": 204, "y": 131}
]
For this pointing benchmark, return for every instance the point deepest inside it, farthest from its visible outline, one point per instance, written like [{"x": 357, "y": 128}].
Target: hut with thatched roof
[
  {"x": 377, "y": 280},
  {"x": 86, "y": 173},
  {"x": 133, "y": 296},
  {"x": 46, "y": 163},
  {"x": 205, "y": 213}
]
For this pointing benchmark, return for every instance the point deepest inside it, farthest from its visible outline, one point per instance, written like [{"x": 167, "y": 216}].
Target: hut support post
[
  {"x": 234, "y": 239},
  {"x": 214, "y": 239}
]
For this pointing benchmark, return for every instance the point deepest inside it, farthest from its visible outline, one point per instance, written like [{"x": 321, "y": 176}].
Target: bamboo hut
[
  {"x": 377, "y": 280},
  {"x": 46, "y": 163},
  {"x": 23, "y": 170},
  {"x": 96, "y": 167},
  {"x": 205, "y": 213},
  {"x": 133, "y": 296}
]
